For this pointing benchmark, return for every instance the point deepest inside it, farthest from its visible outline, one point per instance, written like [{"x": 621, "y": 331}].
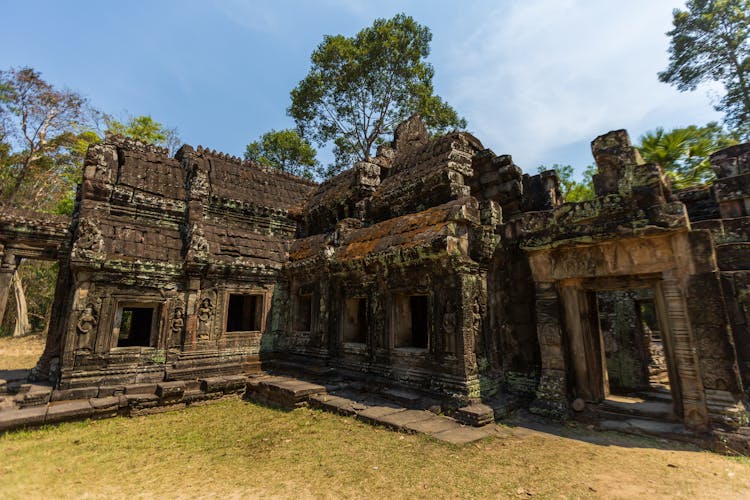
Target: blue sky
[{"x": 538, "y": 79}]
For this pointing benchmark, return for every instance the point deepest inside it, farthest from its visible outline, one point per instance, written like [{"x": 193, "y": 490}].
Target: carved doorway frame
[{"x": 588, "y": 373}]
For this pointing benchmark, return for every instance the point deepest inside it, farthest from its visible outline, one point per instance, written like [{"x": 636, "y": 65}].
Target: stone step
[
  {"x": 402, "y": 396},
  {"x": 292, "y": 368},
  {"x": 656, "y": 395},
  {"x": 282, "y": 392},
  {"x": 617, "y": 407},
  {"x": 475, "y": 415},
  {"x": 668, "y": 430},
  {"x": 392, "y": 416}
]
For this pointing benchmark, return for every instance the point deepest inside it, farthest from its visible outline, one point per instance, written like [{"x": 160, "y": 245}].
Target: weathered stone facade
[{"x": 436, "y": 266}]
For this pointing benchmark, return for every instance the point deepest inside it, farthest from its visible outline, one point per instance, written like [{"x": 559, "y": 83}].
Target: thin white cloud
[
  {"x": 540, "y": 74},
  {"x": 256, "y": 15}
]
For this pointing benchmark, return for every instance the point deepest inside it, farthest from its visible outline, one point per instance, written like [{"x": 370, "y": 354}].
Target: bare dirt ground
[{"x": 239, "y": 449}]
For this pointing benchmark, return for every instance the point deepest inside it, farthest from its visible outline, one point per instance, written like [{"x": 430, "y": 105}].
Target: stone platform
[{"x": 375, "y": 409}]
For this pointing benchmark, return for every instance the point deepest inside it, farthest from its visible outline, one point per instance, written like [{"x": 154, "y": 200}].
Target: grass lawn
[
  {"x": 238, "y": 449},
  {"x": 20, "y": 352}
]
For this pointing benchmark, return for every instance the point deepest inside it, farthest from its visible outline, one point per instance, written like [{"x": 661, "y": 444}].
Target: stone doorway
[
  {"x": 619, "y": 345},
  {"x": 633, "y": 345}
]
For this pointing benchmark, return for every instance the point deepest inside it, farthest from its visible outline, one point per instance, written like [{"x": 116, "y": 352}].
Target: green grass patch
[{"x": 235, "y": 448}]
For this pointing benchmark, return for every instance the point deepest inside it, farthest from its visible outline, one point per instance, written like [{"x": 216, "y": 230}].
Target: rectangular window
[
  {"x": 244, "y": 313},
  {"x": 410, "y": 321},
  {"x": 355, "y": 321},
  {"x": 136, "y": 326},
  {"x": 303, "y": 313}
]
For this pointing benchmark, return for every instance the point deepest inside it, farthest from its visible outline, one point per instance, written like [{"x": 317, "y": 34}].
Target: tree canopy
[
  {"x": 359, "y": 88},
  {"x": 711, "y": 41},
  {"x": 684, "y": 152},
  {"x": 284, "y": 150},
  {"x": 39, "y": 125},
  {"x": 145, "y": 129},
  {"x": 44, "y": 134}
]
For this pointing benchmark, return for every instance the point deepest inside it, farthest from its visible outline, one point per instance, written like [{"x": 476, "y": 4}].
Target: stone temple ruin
[{"x": 436, "y": 267}]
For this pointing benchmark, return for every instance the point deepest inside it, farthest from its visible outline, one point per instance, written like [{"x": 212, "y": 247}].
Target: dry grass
[
  {"x": 239, "y": 449},
  {"x": 20, "y": 352}
]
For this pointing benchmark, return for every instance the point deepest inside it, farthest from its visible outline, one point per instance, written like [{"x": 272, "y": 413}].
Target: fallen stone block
[{"x": 475, "y": 415}]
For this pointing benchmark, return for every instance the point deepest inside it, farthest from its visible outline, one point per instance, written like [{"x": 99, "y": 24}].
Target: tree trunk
[{"x": 22, "y": 314}]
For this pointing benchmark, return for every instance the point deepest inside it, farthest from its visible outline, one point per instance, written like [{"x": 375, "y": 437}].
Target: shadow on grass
[{"x": 522, "y": 422}]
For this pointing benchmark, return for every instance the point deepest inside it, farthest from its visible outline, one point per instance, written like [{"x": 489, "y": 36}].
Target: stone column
[
  {"x": 8, "y": 267},
  {"x": 551, "y": 398},
  {"x": 585, "y": 344},
  {"x": 715, "y": 347},
  {"x": 674, "y": 321}
]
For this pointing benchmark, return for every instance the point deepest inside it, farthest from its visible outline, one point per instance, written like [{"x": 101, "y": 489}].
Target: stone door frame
[
  {"x": 585, "y": 344},
  {"x": 571, "y": 357}
]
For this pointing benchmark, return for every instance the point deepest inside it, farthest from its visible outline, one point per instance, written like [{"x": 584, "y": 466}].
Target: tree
[
  {"x": 358, "y": 89},
  {"x": 572, "y": 189},
  {"x": 684, "y": 153},
  {"x": 145, "y": 129},
  {"x": 44, "y": 135},
  {"x": 711, "y": 41},
  {"x": 284, "y": 150},
  {"x": 39, "y": 124}
]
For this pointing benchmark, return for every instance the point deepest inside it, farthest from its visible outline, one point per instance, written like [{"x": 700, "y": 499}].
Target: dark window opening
[
  {"x": 135, "y": 327},
  {"x": 411, "y": 321},
  {"x": 244, "y": 313},
  {"x": 355, "y": 321},
  {"x": 418, "y": 305},
  {"x": 303, "y": 313}
]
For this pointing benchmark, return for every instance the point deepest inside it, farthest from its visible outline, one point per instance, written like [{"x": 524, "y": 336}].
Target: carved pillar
[
  {"x": 717, "y": 356},
  {"x": 197, "y": 251},
  {"x": 471, "y": 304},
  {"x": 673, "y": 319},
  {"x": 8, "y": 267},
  {"x": 551, "y": 398}
]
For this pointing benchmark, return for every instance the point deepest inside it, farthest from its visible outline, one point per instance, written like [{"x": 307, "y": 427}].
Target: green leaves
[
  {"x": 711, "y": 41},
  {"x": 284, "y": 150},
  {"x": 573, "y": 190},
  {"x": 684, "y": 153},
  {"x": 358, "y": 89},
  {"x": 38, "y": 128},
  {"x": 145, "y": 129}
]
